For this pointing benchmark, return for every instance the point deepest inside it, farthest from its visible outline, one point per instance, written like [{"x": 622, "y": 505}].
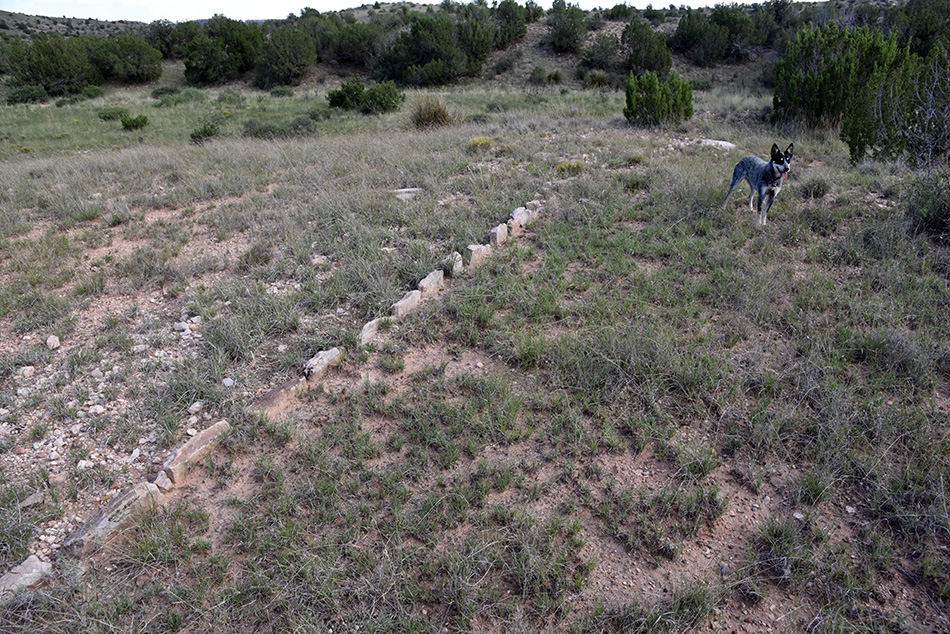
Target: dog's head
[{"x": 782, "y": 160}]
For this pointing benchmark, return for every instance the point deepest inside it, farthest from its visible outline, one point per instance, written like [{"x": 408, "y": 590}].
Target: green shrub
[
  {"x": 231, "y": 98},
  {"x": 282, "y": 91},
  {"x": 504, "y": 63},
  {"x": 113, "y": 113},
  {"x": 299, "y": 126},
  {"x": 164, "y": 91},
  {"x": 204, "y": 132},
  {"x": 133, "y": 123},
  {"x": 93, "y": 92},
  {"x": 380, "y": 98},
  {"x": 928, "y": 204},
  {"x": 179, "y": 97},
  {"x": 603, "y": 53},
  {"x": 650, "y": 101},
  {"x": 69, "y": 101},
  {"x": 431, "y": 111},
  {"x": 349, "y": 96},
  {"x": 27, "y": 94},
  {"x": 538, "y": 76}
]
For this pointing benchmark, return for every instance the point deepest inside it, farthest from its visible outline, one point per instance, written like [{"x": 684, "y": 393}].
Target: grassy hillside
[{"x": 646, "y": 414}]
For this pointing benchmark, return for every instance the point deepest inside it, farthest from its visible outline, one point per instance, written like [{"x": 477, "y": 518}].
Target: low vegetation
[{"x": 644, "y": 414}]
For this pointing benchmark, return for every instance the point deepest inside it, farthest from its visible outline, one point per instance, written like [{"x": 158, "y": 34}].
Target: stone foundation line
[{"x": 117, "y": 513}]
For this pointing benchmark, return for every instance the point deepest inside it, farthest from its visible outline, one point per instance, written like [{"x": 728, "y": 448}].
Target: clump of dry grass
[{"x": 431, "y": 111}]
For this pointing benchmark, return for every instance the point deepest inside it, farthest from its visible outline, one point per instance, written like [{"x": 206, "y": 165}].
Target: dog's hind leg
[{"x": 736, "y": 179}]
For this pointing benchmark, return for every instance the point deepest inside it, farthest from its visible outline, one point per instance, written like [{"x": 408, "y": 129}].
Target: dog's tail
[{"x": 736, "y": 179}]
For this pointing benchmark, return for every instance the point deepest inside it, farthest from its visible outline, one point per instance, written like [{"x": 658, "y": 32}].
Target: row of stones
[{"x": 145, "y": 494}]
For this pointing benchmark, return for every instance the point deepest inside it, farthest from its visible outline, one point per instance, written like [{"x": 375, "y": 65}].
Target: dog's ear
[
  {"x": 790, "y": 149},
  {"x": 776, "y": 153}
]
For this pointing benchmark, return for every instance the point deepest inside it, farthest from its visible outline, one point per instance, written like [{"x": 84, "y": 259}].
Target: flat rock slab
[
  {"x": 104, "y": 523},
  {"x": 432, "y": 284},
  {"x": 275, "y": 403},
  {"x": 27, "y": 574},
  {"x": 723, "y": 145},
  {"x": 405, "y": 305},
  {"x": 406, "y": 193},
  {"x": 176, "y": 467},
  {"x": 315, "y": 368}
]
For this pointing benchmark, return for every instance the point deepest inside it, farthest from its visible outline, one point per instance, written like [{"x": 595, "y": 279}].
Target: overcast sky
[{"x": 183, "y": 10}]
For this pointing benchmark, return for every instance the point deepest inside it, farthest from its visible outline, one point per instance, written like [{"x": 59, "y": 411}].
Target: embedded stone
[
  {"x": 405, "y": 305},
  {"x": 521, "y": 216},
  {"x": 406, "y": 193},
  {"x": 275, "y": 403},
  {"x": 453, "y": 263},
  {"x": 498, "y": 235},
  {"x": 369, "y": 331},
  {"x": 176, "y": 467},
  {"x": 24, "y": 576},
  {"x": 104, "y": 523},
  {"x": 315, "y": 367},
  {"x": 163, "y": 483},
  {"x": 432, "y": 284},
  {"x": 477, "y": 254},
  {"x": 52, "y": 342}
]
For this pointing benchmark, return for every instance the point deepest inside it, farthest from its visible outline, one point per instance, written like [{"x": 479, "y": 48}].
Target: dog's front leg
[{"x": 763, "y": 214}]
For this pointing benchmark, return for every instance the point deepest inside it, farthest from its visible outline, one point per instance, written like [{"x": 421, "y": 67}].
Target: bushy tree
[
  {"x": 922, "y": 24},
  {"x": 207, "y": 62},
  {"x": 185, "y": 33},
  {"x": 241, "y": 41},
  {"x": 427, "y": 54},
  {"x": 825, "y": 68},
  {"x": 510, "y": 23},
  {"x": 284, "y": 58},
  {"x": 703, "y": 42},
  {"x": 357, "y": 43},
  {"x": 476, "y": 35},
  {"x": 60, "y": 65},
  {"x": 160, "y": 34},
  {"x": 619, "y": 12},
  {"x": 650, "y": 101},
  {"x": 567, "y": 27},
  {"x": 603, "y": 53},
  {"x": 124, "y": 59},
  {"x": 904, "y": 112},
  {"x": 645, "y": 49}
]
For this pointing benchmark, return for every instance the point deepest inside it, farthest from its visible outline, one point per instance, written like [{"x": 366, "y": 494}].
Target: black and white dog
[{"x": 765, "y": 179}]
